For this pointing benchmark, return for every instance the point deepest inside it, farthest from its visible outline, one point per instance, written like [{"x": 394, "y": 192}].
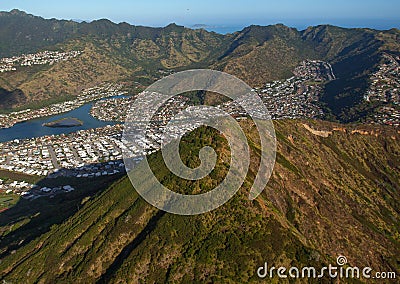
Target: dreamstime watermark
[
  {"x": 139, "y": 133},
  {"x": 331, "y": 271}
]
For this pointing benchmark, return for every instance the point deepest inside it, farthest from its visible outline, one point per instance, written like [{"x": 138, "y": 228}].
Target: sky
[{"x": 381, "y": 14}]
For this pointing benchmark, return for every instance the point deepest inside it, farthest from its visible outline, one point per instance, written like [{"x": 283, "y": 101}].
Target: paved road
[{"x": 53, "y": 157}]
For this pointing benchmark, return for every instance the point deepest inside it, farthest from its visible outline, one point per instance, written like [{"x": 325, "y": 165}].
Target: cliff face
[{"x": 328, "y": 196}]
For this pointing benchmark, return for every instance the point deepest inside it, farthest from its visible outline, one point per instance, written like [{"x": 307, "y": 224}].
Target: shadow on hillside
[
  {"x": 30, "y": 218},
  {"x": 128, "y": 249}
]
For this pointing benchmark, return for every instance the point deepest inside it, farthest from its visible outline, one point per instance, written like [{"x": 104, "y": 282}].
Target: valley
[{"x": 69, "y": 214}]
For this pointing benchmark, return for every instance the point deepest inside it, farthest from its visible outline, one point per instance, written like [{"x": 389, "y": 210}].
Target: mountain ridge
[
  {"x": 342, "y": 202},
  {"x": 256, "y": 54}
]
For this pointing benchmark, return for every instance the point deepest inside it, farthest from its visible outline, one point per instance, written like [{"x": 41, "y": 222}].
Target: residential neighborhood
[
  {"x": 40, "y": 58},
  {"x": 32, "y": 191},
  {"x": 103, "y": 90},
  {"x": 296, "y": 97},
  {"x": 99, "y": 152},
  {"x": 47, "y": 155},
  {"x": 385, "y": 90},
  {"x": 385, "y": 81}
]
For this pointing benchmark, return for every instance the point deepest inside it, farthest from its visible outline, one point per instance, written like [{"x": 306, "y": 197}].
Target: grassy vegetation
[
  {"x": 288, "y": 165},
  {"x": 299, "y": 220},
  {"x": 256, "y": 55},
  {"x": 326, "y": 196},
  {"x": 19, "y": 176},
  {"x": 25, "y": 220},
  {"x": 7, "y": 201}
]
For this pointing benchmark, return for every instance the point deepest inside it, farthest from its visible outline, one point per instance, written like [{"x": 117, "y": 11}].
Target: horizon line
[{"x": 210, "y": 27}]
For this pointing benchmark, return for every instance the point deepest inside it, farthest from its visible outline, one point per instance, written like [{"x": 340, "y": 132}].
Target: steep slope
[
  {"x": 24, "y": 33},
  {"x": 11, "y": 98},
  {"x": 354, "y": 54},
  {"x": 261, "y": 54},
  {"x": 110, "y": 53},
  {"x": 333, "y": 191},
  {"x": 66, "y": 79},
  {"x": 126, "y": 53}
]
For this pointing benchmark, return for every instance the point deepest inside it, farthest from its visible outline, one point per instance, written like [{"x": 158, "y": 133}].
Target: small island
[{"x": 64, "y": 122}]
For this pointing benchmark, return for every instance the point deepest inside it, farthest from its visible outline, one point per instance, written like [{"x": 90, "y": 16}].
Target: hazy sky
[{"x": 299, "y": 13}]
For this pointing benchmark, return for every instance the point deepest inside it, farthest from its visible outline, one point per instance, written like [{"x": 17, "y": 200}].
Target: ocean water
[
  {"x": 302, "y": 24},
  {"x": 224, "y": 30},
  {"x": 221, "y": 29}
]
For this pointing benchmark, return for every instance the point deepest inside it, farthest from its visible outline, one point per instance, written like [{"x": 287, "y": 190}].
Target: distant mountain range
[
  {"x": 122, "y": 52},
  {"x": 335, "y": 189}
]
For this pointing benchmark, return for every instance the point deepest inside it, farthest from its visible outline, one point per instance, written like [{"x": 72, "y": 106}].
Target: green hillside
[
  {"x": 327, "y": 196},
  {"x": 125, "y": 53}
]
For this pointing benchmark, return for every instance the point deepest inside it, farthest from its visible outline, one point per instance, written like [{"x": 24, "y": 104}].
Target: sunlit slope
[
  {"x": 127, "y": 53},
  {"x": 327, "y": 196}
]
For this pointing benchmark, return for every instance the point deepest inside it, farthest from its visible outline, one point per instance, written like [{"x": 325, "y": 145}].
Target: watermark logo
[
  {"x": 342, "y": 270},
  {"x": 139, "y": 134},
  {"x": 341, "y": 260}
]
